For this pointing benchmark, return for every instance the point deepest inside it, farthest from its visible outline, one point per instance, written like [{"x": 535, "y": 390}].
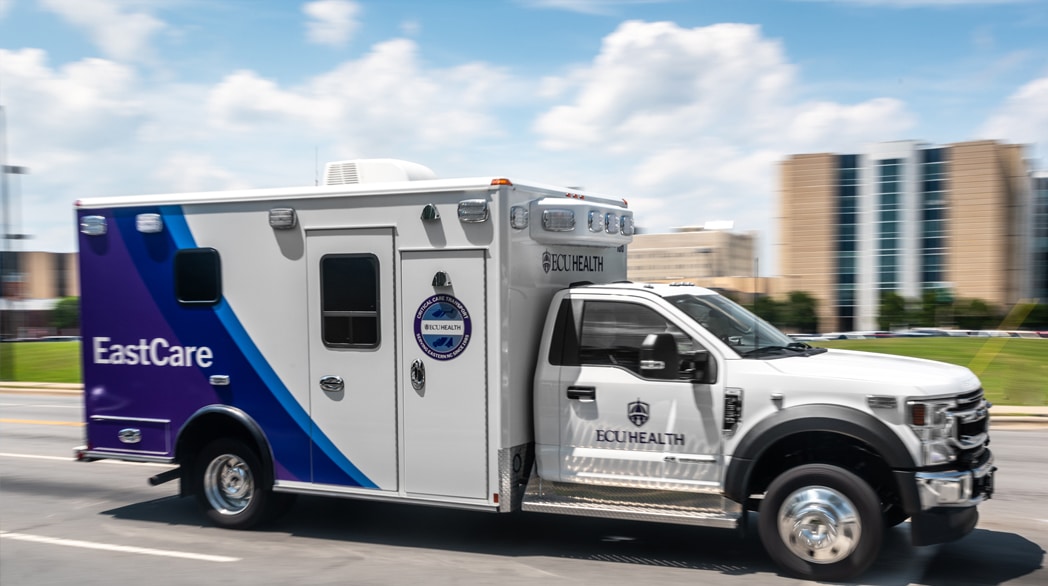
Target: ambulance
[{"x": 475, "y": 343}]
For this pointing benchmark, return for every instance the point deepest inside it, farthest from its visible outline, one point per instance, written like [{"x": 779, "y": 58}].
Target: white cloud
[
  {"x": 1023, "y": 117},
  {"x": 602, "y": 7},
  {"x": 656, "y": 85},
  {"x": 696, "y": 121},
  {"x": 186, "y": 172},
  {"x": 80, "y": 107},
  {"x": 400, "y": 104},
  {"x": 332, "y": 22},
  {"x": 120, "y": 31}
]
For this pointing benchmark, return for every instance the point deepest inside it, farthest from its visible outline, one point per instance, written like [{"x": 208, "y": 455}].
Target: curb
[{"x": 42, "y": 388}]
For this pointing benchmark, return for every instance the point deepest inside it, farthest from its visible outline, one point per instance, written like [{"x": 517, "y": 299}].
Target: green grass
[
  {"x": 43, "y": 362},
  {"x": 1014, "y": 371}
]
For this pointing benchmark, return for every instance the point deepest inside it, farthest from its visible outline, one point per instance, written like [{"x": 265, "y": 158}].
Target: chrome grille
[{"x": 971, "y": 423}]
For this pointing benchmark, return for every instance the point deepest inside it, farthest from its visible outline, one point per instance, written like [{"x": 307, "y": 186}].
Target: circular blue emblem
[{"x": 442, "y": 327}]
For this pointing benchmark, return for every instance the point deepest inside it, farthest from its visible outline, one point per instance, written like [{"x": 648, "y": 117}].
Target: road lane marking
[
  {"x": 43, "y": 422},
  {"x": 42, "y": 406},
  {"x": 73, "y": 459},
  {"x": 118, "y": 548}
]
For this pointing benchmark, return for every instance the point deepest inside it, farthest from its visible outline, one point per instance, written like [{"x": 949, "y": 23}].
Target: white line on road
[
  {"x": 72, "y": 459},
  {"x": 42, "y": 406},
  {"x": 120, "y": 548}
]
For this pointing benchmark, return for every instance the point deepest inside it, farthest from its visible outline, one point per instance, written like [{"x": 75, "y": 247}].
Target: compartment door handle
[{"x": 332, "y": 384}]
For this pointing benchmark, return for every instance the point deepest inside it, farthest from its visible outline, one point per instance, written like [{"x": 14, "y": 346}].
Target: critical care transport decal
[{"x": 442, "y": 327}]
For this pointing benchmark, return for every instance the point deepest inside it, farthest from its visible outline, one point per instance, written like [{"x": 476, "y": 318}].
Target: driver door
[{"x": 621, "y": 427}]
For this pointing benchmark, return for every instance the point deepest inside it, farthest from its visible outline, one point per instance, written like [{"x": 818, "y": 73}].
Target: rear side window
[
  {"x": 198, "y": 276},
  {"x": 349, "y": 300}
]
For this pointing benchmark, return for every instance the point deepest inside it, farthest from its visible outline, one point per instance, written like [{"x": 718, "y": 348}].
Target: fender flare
[
  {"x": 806, "y": 418},
  {"x": 248, "y": 423}
]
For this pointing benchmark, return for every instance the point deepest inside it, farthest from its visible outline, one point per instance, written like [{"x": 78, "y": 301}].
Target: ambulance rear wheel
[{"x": 230, "y": 486}]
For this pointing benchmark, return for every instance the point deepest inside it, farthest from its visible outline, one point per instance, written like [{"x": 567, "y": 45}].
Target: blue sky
[{"x": 683, "y": 107}]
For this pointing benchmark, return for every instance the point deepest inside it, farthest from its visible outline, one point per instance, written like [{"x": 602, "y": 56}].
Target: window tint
[
  {"x": 612, "y": 334},
  {"x": 198, "y": 276},
  {"x": 349, "y": 300}
]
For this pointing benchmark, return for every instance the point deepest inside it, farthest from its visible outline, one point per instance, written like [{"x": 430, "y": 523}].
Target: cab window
[{"x": 612, "y": 332}]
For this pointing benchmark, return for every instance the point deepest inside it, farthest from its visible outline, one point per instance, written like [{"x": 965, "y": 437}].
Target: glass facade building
[
  {"x": 907, "y": 217},
  {"x": 1039, "y": 252}
]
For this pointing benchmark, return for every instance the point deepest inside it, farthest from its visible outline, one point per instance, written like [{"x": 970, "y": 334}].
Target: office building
[
  {"x": 906, "y": 217},
  {"x": 1039, "y": 244},
  {"x": 710, "y": 255}
]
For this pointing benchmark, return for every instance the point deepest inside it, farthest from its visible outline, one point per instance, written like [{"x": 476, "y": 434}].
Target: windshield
[{"x": 747, "y": 334}]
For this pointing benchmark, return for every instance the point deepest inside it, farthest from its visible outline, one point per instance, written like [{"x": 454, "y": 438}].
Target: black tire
[
  {"x": 230, "y": 485},
  {"x": 821, "y": 522}
]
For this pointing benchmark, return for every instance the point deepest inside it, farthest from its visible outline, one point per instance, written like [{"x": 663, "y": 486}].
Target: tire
[
  {"x": 230, "y": 485},
  {"x": 821, "y": 522}
]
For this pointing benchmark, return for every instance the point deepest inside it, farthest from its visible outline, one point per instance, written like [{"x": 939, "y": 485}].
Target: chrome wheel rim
[
  {"x": 819, "y": 525},
  {"x": 228, "y": 484}
]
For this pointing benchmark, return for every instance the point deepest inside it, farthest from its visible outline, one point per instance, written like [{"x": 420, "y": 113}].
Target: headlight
[{"x": 933, "y": 423}]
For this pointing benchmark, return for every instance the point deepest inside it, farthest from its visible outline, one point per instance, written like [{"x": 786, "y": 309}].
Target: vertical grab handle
[{"x": 418, "y": 375}]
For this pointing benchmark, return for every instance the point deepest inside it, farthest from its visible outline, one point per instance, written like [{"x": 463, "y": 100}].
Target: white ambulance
[{"x": 474, "y": 343}]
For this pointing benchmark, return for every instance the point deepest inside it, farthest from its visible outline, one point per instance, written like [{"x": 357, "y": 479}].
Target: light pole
[{"x": 10, "y": 277}]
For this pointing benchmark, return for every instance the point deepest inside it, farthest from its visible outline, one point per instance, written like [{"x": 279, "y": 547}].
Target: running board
[{"x": 631, "y": 504}]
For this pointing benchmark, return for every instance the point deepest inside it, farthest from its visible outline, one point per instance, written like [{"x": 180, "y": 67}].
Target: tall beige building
[{"x": 905, "y": 217}]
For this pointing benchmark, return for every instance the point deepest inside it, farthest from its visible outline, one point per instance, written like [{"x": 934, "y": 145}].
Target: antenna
[{"x": 316, "y": 165}]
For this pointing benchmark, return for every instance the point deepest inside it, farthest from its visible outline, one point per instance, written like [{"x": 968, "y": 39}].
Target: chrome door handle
[
  {"x": 332, "y": 384},
  {"x": 583, "y": 394}
]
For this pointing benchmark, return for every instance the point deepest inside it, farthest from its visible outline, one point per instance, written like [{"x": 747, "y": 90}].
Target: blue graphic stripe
[{"x": 176, "y": 224}]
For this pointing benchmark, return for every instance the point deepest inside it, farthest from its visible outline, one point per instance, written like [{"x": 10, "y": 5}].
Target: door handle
[
  {"x": 583, "y": 394},
  {"x": 332, "y": 384}
]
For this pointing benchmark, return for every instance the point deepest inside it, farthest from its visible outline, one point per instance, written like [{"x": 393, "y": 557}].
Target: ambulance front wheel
[
  {"x": 230, "y": 486},
  {"x": 821, "y": 522}
]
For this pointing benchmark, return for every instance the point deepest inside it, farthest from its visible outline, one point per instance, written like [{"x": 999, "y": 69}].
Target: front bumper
[
  {"x": 947, "y": 507},
  {"x": 956, "y": 488}
]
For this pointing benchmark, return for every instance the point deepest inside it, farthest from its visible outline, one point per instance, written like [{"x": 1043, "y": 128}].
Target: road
[{"x": 65, "y": 522}]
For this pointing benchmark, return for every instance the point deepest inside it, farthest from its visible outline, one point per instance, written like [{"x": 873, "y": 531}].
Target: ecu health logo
[{"x": 638, "y": 412}]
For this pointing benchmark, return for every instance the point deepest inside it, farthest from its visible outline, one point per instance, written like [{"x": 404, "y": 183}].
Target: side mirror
[
  {"x": 659, "y": 358},
  {"x": 705, "y": 369}
]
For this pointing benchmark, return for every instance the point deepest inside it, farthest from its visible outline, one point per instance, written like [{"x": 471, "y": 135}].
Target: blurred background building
[
  {"x": 712, "y": 255},
  {"x": 34, "y": 283},
  {"x": 908, "y": 217},
  {"x": 1039, "y": 250}
]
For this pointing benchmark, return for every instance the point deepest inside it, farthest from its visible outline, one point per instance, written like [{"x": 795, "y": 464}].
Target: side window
[
  {"x": 198, "y": 276},
  {"x": 612, "y": 334},
  {"x": 349, "y": 300}
]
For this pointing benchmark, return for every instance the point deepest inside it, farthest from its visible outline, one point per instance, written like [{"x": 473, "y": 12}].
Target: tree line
[{"x": 798, "y": 312}]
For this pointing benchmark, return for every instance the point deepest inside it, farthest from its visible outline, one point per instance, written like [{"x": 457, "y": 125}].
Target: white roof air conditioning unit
[{"x": 374, "y": 171}]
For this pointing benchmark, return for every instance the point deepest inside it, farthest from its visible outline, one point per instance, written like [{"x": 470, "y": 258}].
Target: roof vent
[{"x": 374, "y": 171}]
